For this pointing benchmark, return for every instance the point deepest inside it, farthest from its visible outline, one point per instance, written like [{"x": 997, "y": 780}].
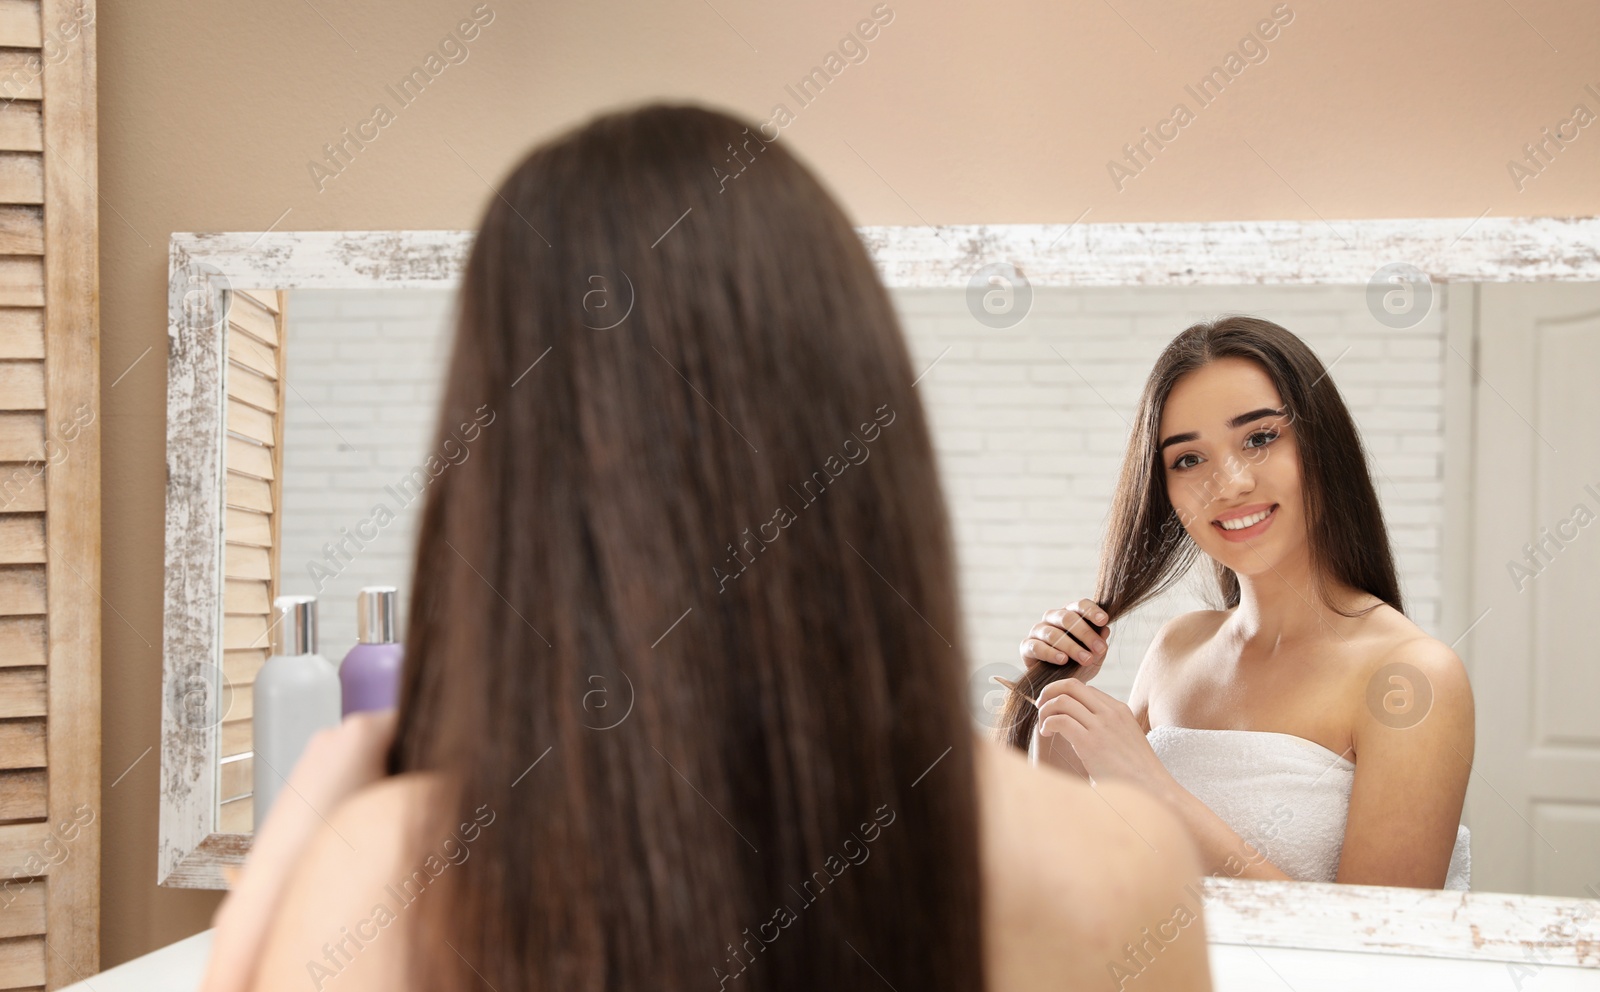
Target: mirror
[
  {"x": 324, "y": 475},
  {"x": 300, "y": 409}
]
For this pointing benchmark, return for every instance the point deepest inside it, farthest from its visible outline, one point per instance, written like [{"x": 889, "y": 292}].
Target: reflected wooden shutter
[
  {"x": 49, "y": 497},
  {"x": 253, "y": 494}
]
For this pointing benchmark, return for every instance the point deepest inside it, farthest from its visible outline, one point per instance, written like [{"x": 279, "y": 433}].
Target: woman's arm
[
  {"x": 1130, "y": 916},
  {"x": 1105, "y": 737},
  {"x": 1223, "y": 853},
  {"x": 1413, "y": 734},
  {"x": 344, "y": 922},
  {"x": 337, "y": 762}
]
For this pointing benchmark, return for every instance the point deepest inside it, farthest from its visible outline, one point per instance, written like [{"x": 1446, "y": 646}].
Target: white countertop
[
  {"x": 1233, "y": 967},
  {"x": 174, "y": 967}
]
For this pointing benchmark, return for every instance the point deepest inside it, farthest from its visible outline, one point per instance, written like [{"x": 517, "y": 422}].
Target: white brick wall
[
  {"x": 1030, "y": 451},
  {"x": 364, "y": 370}
]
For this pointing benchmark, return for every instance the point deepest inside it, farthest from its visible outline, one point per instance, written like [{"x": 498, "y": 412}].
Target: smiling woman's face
[{"x": 1232, "y": 466}]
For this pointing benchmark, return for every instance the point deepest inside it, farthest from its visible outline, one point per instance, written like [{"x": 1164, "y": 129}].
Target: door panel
[{"x": 1534, "y": 802}]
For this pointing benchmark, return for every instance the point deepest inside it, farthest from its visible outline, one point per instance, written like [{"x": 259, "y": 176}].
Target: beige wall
[{"x": 209, "y": 115}]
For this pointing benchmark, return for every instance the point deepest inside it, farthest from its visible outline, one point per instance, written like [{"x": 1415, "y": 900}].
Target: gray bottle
[{"x": 296, "y": 695}]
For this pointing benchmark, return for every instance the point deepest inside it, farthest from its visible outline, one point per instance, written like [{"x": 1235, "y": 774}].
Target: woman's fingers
[
  {"x": 1050, "y": 644},
  {"x": 1071, "y": 633},
  {"x": 1076, "y": 625},
  {"x": 1068, "y": 698},
  {"x": 1083, "y": 697},
  {"x": 1064, "y": 724}
]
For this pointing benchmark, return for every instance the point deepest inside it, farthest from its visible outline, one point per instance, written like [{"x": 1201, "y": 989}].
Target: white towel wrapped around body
[{"x": 1287, "y": 796}]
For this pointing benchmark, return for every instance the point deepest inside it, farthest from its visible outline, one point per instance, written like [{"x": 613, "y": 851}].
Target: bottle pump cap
[
  {"x": 294, "y": 625},
  {"x": 375, "y": 607}
]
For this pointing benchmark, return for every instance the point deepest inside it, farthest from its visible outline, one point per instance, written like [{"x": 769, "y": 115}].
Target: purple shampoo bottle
[{"x": 370, "y": 673}]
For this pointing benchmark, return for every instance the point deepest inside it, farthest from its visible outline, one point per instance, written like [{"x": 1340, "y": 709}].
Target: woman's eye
[{"x": 1257, "y": 439}]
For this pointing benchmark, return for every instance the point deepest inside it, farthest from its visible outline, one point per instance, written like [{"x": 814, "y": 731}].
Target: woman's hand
[
  {"x": 1102, "y": 734},
  {"x": 1073, "y": 633},
  {"x": 337, "y": 762}
]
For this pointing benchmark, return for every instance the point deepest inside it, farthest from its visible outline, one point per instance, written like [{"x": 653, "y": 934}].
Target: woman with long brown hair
[
  {"x": 1306, "y": 729},
  {"x": 684, "y": 702}
]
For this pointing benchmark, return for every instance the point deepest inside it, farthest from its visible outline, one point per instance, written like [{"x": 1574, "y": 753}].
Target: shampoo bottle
[
  {"x": 370, "y": 674},
  {"x": 296, "y": 695}
]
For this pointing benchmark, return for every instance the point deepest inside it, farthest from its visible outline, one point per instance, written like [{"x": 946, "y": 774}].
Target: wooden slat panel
[
  {"x": 246, "y": 632},
  {"x": 239, "y": 527},
  {"x": 21, "y": 127},
  {"x": 22, "y": 692},
  {"x": 21, "y": 230},
  {"x": 236, "y": 779},
  {"x": 21, "y": 330},
  {"x": 249, "y": 459},
  {"x": 21, "y": 538},
  {"x": 22, "y": 385},
  {"x": 252, "y": 318},
  {"x": 282, "y": 339},
  {"x": 21, "y": 641},
  {"x": 22, "y": 179},
  {"x": 21, "y": 279},
  {"x": 22, "y": 590},
  {"x": 258, "y": 416},
  {"x": 235, "y": 737},
  {"x": 257, "y": 425},
  {"x": 252, "y": 389},
  {"x": 23, "y": 915},
  {"x": 19, "y": 77},
  {"x": 240, "y": 667},
  {"x": 22, "y": 849},
  {"x": 245, "y": 597},
  {"x": 247, "y": 493},
  {"x": 19, "y": 24},
  {"x": 268, "y": 298},
  {"x": 239, "y": 702},
  {"x": 22, "y": 962},
  {"x": 248, "y": 388},
  {"x": 21, "y": 437},
  {"x": 237, "y": 817},
  {"x": 22, "y": 797},
  {"x": 21, "y": 743},
  {"x": 239, "y": 562},
  {"x": 22, "y": 487},
  {"x": 253, "y": 355}
]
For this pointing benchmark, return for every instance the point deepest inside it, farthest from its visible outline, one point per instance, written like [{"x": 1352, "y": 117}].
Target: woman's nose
[{"x": 1237, "y": 478}]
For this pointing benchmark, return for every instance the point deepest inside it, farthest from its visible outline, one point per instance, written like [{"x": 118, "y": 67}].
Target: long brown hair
[
  {"x": 685, "y": 627},
  {"x": 1146, "y": 548}
]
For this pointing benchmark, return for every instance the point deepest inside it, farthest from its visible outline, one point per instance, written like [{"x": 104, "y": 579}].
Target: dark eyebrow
[{"x": 1239, "y": 421}]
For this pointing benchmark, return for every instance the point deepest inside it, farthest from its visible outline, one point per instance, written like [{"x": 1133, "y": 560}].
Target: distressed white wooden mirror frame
[{"x": 1522, "y": 930}]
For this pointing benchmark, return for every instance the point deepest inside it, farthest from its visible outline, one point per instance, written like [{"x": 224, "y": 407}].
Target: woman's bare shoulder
[
  {"x": 1174, "y": 642},
  {"x": 1076, "y": 874},
  {"x": 340, "y": 901},
  {"x": 1186, "y": 632}
]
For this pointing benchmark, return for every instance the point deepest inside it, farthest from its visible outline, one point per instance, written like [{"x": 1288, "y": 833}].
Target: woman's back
[{"x": 1081, "y": 886}]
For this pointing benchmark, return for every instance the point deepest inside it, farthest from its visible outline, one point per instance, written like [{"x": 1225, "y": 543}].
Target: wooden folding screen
[
  {"x": 253, "y": 463},
  {"x": 49, "y": 497}
]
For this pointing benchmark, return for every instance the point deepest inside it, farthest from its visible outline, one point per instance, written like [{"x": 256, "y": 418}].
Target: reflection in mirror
[
  {"x": 1032, "y": 415},
  {"x": 1031, "y": 418},
  {"x": 330, "y": 417}
]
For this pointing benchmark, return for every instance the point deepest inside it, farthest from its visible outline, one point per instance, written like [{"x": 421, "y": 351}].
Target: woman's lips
[{"x": 1248, "y": 533}]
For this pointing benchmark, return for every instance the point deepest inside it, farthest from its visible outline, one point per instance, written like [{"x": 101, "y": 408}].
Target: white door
[{"x": 1534, "y": 801}]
